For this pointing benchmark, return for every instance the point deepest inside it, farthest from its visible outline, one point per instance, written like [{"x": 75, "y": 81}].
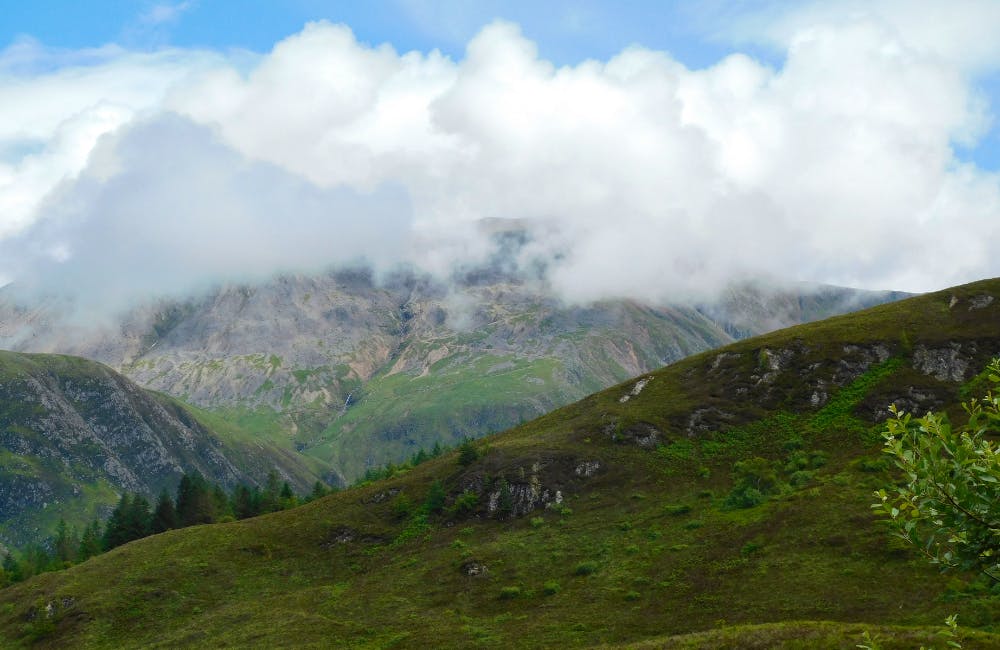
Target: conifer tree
[
  {"x": 286, "y": 497},
  {"x": 165, "y": 514},
  {"x": 90, "y": 542},
  {"x": 435, "y": 498},
  {"x": 505, "y": 501},
  {"x": 12, "y": 568},
  {"x": 195, "y": 503},
  {"x": 246, "y": 502},
  {"x": 319, "y": 491},
  {"x": 270, "y": 499},
  {"x": 65, "y": 543}
]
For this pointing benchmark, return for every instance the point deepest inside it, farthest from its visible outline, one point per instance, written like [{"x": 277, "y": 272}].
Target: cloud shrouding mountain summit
[{"x": 162, "y": 172}]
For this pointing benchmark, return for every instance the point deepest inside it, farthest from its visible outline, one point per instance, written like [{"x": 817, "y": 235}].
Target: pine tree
[
  {"x": 505, "y": 501},
  {"x": 138, "y": 518},
  {"x": 467, "y": 454},
  {"x": 246, "y": 502},
  {"x": 114, "y": 530},
  {"x": 12, "y": 568},
  {"x": 195, "y": 504},
  {"x": 165, "y": 514},
  {"x": 319, "y": 491},
  {"x": 65, "y": 543},
  {"x": 435, "y": 498},
  {"x": 220, "y": 504},
  {"x": 270, "y": 499},
  {"x": 286, "y": 497},
  {"x": 90, "y": 542}
]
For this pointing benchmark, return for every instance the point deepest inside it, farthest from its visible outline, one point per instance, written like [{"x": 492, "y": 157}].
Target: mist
[{"x": 635, "y": 177}]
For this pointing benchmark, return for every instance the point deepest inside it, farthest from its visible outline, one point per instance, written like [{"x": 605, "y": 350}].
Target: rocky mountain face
[
  {"x": 74, "y": 434},
  {"x": 360, "y": 372}
]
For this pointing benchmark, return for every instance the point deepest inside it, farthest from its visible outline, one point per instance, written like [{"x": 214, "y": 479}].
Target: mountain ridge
[
  {"x": 345, "y": 363},
  {"x": 74, "y": 434}
]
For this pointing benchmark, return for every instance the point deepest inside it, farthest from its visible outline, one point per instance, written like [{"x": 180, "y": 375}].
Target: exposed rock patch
[
  {"x": 950, "y": 363},
  {"x": 474, "y": 569},
  {"x": 980, "y": 301},
  {"x": 636, "y": 389},
  {"x": 587, "y": 468}
]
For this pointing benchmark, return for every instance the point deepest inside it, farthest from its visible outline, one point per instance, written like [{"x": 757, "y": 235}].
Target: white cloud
[
  {"x": 638, "y": 176},
  {"x": 165, "y": 12}
]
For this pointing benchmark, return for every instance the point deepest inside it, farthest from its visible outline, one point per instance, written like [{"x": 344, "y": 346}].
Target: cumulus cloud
[
  {"x": 635, "y": 176},
  {"x": 133, "y": 225}
]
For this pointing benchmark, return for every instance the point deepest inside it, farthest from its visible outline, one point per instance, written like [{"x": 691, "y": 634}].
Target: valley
[{"x": 624, "y": 518}]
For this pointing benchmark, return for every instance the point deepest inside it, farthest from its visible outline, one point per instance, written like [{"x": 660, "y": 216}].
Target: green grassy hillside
[
  {"x": 722, "y": 501},
  {"x": 74, "y": 435}
]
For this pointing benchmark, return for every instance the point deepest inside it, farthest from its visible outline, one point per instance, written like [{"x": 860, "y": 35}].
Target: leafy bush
[
  {"x": 949, "y": 504},
  {"x": 676, "y": 510},
  {"x": 510, "y": 593},
  {"x": 551, "y": 588},
  {"x": 402, "y": 507},
  {"x": 873, "y": 465},
  {"x": 467, "y": 453},
  {"x": 465, "y": 503},
  {"x": 586, "y": 568},
  {"x": 744, "y": 497},
  {"x": 800, "y": 478},
  {"x": 435, "y": 498}
]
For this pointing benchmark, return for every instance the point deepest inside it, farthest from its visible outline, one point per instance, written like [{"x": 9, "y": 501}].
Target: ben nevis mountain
[
  {"x": 327, "y": 376},
  {"x": 721, "y": 501}
]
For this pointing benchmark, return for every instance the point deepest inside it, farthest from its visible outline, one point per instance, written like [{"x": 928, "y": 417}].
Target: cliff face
[
  {"x": 362, "y": 373},
  {"x": 74, "y": 434}
]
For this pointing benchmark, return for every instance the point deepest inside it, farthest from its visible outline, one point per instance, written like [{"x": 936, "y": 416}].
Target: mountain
[
  {"x": 362, "y": 372},
  {"x": 74, "y": 434},
  {"x": 722, "y": 501}
]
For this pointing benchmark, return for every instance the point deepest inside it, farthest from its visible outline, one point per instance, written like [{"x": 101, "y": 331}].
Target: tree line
[{"x": 197, "y": 501}]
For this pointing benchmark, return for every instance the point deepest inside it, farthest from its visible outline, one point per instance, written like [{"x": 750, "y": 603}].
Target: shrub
[
  {"x": 551, "y": 588},
  {"x": 676, "y": 510},
  {"x": 435, "y": 497},
  {"x": 505, "y": 502},
  {"x": 402, "y": 507},
  {"x": 537, "y": 522},
  {"x": 744, "y": 497},
  {"x": 467, "y": 453},
  {"x": 465, "y": 503},
  {"x": 873, "y": 465},
  {"x": 510, "y": 593},
  {"x": 632, "y": 595},
  {"x": 586, "y": 568},
  {"x": 694, "y": 524},
  {"x": 817, "y": 459},
  {"x": 800, "y": 478}
]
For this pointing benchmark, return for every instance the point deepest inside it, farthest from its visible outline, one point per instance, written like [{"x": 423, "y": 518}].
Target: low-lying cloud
[{"x": 636, "y": 176}]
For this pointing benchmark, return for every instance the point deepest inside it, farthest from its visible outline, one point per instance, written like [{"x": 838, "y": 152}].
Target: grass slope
[
  {"x": 639, "y": 546},
  {"x": 70, "y": 429}
]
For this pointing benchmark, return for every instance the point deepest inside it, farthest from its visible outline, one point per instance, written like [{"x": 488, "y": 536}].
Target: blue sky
[{"x": 838, "y": 141}]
